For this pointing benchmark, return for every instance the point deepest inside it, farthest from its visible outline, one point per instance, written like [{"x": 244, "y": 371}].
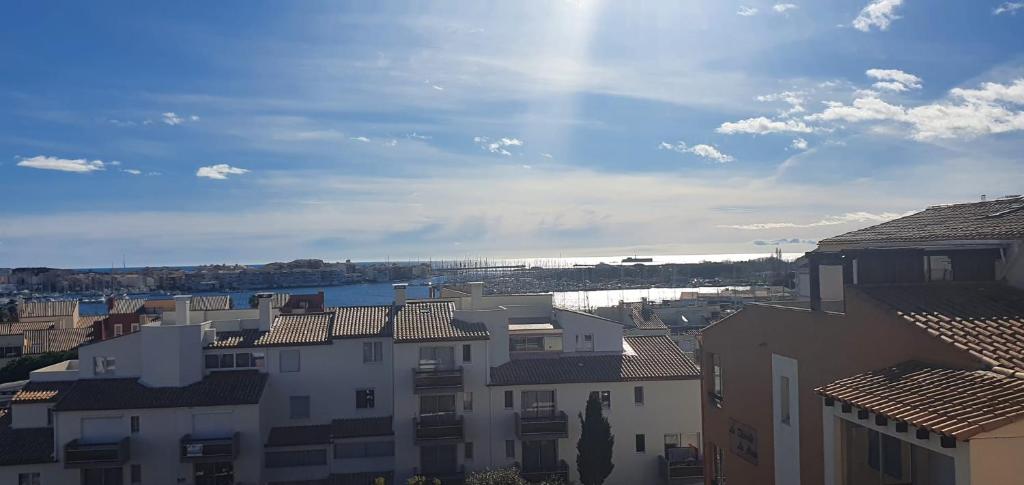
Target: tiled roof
[
  {"x": 239, "y": 339},
  {"x": 88, "y": 320},
  {"x": 127, "y": 305},
  {"x": 644, "y": 317},
  {"x": 216, "y": 389},
  {"x": 215, "y": 302},
  {"x": 993, "y": 220},
  {"x": 361, "y": 321},
  {"x": 56, "y": 339},
  {"x": 656, "y": 358},
  {"x": 428, "y": 321},
  {"x": 361, "y": 427},
  {"x": 316, "y": 434},
  {"x": 24, "y": 446},
  {"x": 298, "y": 328},
  {"x": 42, "y": 391},
  {"x": 986, "y": 320},
  {"x": 18, "y": 328},
  {"x": 957, "y": 403},
  {"x": 59, "y": 308},
  {"x": 307, "y": 303}
]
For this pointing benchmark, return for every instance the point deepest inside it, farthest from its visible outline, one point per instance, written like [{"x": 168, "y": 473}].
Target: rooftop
[
  {"x": 957, "y": 403},
  {"x": 652, "y": 358},
  {"x": 42, "y": 391},
  {"x": 298, "y": 329},
  {"x": 24, "y": 446},
  {"x": 428, "y": 321},
  {"x": 999, "y": 219},
  {"x": 361, "y": 321},
  {"x": 644, "y": 317},
  {"x": 35, "y": 309},
  {"x": 56, "y": 339},
  {"x": 18, "y": 328},
  {"x": 216, "y": 389}
]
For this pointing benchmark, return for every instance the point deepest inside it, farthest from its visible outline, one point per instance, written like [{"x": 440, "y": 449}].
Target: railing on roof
[{"x": 680, "y": 464}]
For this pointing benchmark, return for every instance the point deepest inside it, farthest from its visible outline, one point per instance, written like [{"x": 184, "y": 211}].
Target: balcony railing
[
  {"x": 540, "y": 426},
  {"x": 81, "y": 455},
  {"x": 209, "y": 449},
  {"x": 681, "y": 465},
  {"x": 427, "y": 380},
  {"x": 558, "y": 472},
  {"x": 437, "y": 428}
]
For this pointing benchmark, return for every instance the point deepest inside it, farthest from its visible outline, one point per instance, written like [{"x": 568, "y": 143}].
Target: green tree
[
  {"x": 18, "y": 369},
  {"x": 594, "y": 449}
]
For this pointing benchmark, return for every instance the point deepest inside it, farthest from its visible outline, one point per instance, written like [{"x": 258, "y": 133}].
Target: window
[
  {"x": 31, "y": 478},
  {"x": 605, "y": 397},
  {"x": 135, "y": 327},
  {"x": 638, "y": 395},
  {"x": 535, "y": 343},
  {"x": 102, "y": 476},
  {"x": 784, "y": 413},
  {"x": 641, "y": 443},
  {"x": 227, "y": 361},
  {"x": 538, "y": 403},
  {"x": 118, "y": 329},
  {"x": 467, "y": 401},
  {"x": 587, "y": 345},
  {"x": 437, "y": 405},
  {"x": 467, "y": 353},
  {"x": 136, "y": 474},
  {"x": 468, "y": 449},
  {"x": 510, "y": 448},
  {"x": 437, "y": 357},
  {"x": 298, "y": 407},
  {"x": 212, "y": 361},
  {"x": 257, "y": 359},
  {"x": 364, "y": 398},
  {"x": 373, "y": 352},
  {"x": 508, "y": 400},
  {"x": 290, "y": 361},
  {"x": 135, "y": 424},
  {"x": 716, "y": 379},
  {"x": 938, "y": 268},
  {"x": 243, "y": 359},
  {"x": 104, "y": 365},
  {"x": 369, "y": 449},
  {"x": 281, "y": 459},
  {"x": 672, "y": 440}
]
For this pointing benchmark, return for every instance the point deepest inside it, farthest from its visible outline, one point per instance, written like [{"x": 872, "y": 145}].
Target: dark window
[
  {"x": 510, "y": 448},
  {"x": 508, "y": 400},
  {"x": 212, "y": 361},
  {"x": 373, "y": 352},
  {"x": 298, "y": 407},
  {"x": 135, "y": 424},
  {"x": 467, "y": 401},
  {"x": 227, "y": 361},
  {"x": 243, "y": 359},
  {"x": 438, "y": 460},
  {"x": 281, "y": 459},
  {"x": 364, "y": 450},
  {"x": 102, "y": 476},
  {"x": 638, "y": 395},
  {"x": 641, "y": 443},
  {"x": 136, "y": 474},
  {"x": 467, "y": 353},
  {"x": 364, "y": 398},
  {"x": 469, "y": 450},
  {"x": 605, "y": 397},
  {"x": 31, "y": 478}
]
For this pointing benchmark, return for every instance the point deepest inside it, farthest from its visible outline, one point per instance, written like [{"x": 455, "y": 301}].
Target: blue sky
[{"x": 259, "y": 131}]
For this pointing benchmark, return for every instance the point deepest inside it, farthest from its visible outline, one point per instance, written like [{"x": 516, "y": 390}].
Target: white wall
[
  {"x": 172, "y": 354},
  {"x": 786, "y": 436},
  {"x": 607, "y": 333},
  {"x": 126, "y": 350}
]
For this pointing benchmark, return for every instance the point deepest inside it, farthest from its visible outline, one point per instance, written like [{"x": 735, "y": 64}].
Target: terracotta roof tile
[
  {"x": 957, "y": 403},
  {"x": 18, "y": 328},
  {"x": 427, "y": 321},
  {"x": 88, "y": 320},
  {"x": 986, "y": 319},
  {"x": 210, "y": 302},
  {"x": 56, "y": 339},
  {"x": 43, "y": 391},
  {"x": 993, "y": 220},
  {"x": 239, "y": 339},
  {"x": 656, "y": 358},
  {"x": 59, "y": 308},
  {"x": 24, "y": 446},
  {"x": 644, "y": 317},
  {"x": 362, "y": 321},
  {"x": 298, "y": 328},
  {"x": 127, "y": 305},
  {"x": 216, "y": 389}
]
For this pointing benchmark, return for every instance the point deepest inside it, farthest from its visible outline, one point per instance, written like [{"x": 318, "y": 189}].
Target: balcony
[
  {"x": 681, "y": 466},
  {"x": 428, "y": 380},
  {"x": 208, "y": 449},
  {"x": 89, "y": 455},
  {"x": 557, "y": 473},
  {"x": 542, "y": 426},
  {"x": 438, "y": 428}
]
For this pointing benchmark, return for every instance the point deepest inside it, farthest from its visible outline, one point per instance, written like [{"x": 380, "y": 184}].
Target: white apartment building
[{"x": 436, "y": 387}]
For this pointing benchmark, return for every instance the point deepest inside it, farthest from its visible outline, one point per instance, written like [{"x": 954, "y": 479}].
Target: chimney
[
  {"x": 400, "y": 289},
  {"x": 182, "y": 304},
  {"x": 264, "y": 300},
  {"x": 476, "y": 291},
  {"x": 983, "y": 197}
]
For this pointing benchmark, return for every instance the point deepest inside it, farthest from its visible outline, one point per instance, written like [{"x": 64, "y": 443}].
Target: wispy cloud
[
  {"x": 131, "y": 171},
  {"x": 894, "y": 79},
  {"x": 362, "y": 139},
  {"x": 220, "y": 171},
  {"x": 784, "y": 7},
  {"x": 795, "y": 99},
  {"x": 173, "y": 119},
  {"x": 762, "y": 125},
  {"x": 849, "y": 217},
  {"x": 500, "y": 146},
  {"x": 704, "y": 151},
  {"x": 1008, "y": 7},
  {"x": 391, "y": 143},
  {"x": 878, "y": 14},
  {"x": 784, "y": 241},
  {"x": 79, "y": 165},
  {"x": 745, "y": 11},
  {"x": 798, "y": 144}
]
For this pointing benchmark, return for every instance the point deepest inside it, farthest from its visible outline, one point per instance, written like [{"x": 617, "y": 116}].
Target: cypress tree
[{"x": 594, "y": 457}]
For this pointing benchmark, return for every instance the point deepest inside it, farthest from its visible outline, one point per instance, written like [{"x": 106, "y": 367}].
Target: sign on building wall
[{"x": 743, "y": 440}]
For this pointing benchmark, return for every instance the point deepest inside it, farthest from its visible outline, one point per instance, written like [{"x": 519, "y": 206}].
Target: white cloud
[
  {"x": 546, "y": 155},
  {"x": 132, "y": 171},
  {"x": 419, "y": 136},
  {"x": 391, "y": 143},
  {"x": 784, "y": 241},
  {"x": 79, "y": 165},
  {"x": 849, "y": 217},
  {"x": 894, "y": 79},
  {"x": 437, "y": 87},
  {"x": 194, "y": 118},
  {"x": 746, "y": 11},
  {"x": 499, "y": 146},
  {"x": 172, "y": 119},
  {"x": 878, "y": 14},
  {"x": 360, "y": 138},
  {"x": 762, "y": 125},
  {"x": 795, "y": 99},
  {"x": 783, "y": 7},
  {"x": 704, "y": 151},
  {"x": 220, "y": 171},
  {"x": 1008, "y": 7},
  {"x": 114, "y": 163},
  {"x": 863, "y": 109},
  {"x": 799, "y": 144}
]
